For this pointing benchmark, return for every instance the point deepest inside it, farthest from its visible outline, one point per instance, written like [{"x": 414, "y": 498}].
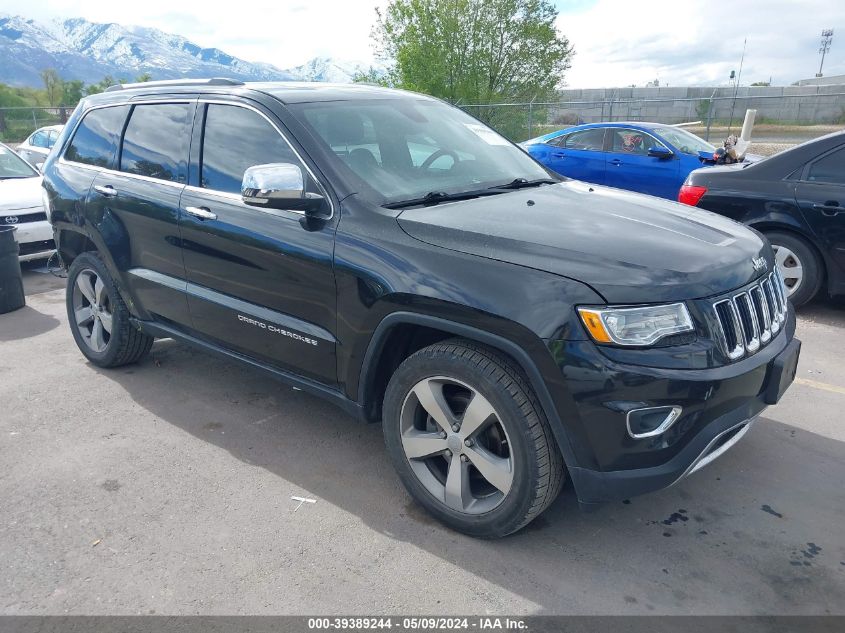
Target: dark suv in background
[{"x": 392, "y": 254}]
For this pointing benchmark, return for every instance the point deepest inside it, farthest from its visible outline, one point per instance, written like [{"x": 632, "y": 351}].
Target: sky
[{"x": 617, "y": 42}]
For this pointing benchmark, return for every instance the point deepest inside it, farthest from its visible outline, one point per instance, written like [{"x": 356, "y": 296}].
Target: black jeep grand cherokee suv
[{"x": 388, "y": 252}]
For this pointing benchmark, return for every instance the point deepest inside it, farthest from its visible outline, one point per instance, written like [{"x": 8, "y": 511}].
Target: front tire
[
  {"x": 98, "y": 317},
  {"x": 469, "y": 440},
  {"x": 799, "y": 265}
]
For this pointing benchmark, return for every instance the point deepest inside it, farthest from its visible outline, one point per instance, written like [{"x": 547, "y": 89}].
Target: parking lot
[{"x": 166, "y": 488}]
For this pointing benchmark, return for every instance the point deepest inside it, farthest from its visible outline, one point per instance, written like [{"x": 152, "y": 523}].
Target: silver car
[
  {"x": 35, "y": 148},
  {"x": 22, "y": 206}
]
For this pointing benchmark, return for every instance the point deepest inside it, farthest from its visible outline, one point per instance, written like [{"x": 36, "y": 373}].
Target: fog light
[{"x": 651, "y": 421}]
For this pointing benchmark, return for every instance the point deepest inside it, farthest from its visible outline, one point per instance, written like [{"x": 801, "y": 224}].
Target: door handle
[
  {"x": 106, "y": 190},
  {"x": 558, "y": 155},
  {"x": 615, "y": 162},
  {"x": 830, "y": 207},
  {"x": 201, "y": 212}
]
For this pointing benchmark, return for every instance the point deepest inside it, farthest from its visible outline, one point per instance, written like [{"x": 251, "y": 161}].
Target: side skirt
[{"x": 312, "y": 387}]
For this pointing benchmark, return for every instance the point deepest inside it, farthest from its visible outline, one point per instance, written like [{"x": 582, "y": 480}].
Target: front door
[
  {"x": 630, "y": 167},
  {"x": 821, "y": 196},
  {"x": 260, "y": 281}
]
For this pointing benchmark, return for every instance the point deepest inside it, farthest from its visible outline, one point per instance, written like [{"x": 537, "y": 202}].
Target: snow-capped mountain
[
  {"x": 79, "y": 49},
  {"x": 329, "y": 69}
]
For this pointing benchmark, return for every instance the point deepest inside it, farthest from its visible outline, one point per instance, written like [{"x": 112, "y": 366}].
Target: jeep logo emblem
[
  {"x": 759, "y": 264},
  {"x": 11, "y": 219}
]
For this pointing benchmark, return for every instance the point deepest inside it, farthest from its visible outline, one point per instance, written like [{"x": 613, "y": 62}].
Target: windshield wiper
[
  {"x": 522, "y": 183},
  {"x": 436, "y": 197}
]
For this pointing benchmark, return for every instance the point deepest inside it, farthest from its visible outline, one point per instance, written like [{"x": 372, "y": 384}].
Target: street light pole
[{"x": 824, "y": 47}]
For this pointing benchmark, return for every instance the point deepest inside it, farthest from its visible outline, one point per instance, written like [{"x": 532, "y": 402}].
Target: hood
[
  {"x": 20, "y": 193},
  {"x": 628, "y": 247}
]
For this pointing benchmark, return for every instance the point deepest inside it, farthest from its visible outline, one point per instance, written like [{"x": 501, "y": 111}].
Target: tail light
[{"x": 690, "y": 194}]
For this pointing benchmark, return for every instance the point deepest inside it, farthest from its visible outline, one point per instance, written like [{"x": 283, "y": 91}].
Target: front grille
[
  {"x": 21, "y": 219},
  {"x": 751, "y": 318}
]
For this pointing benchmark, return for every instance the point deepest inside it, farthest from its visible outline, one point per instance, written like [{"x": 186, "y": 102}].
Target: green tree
[
  {"x": 144, "y": 78},
  {"x": 371, "y": 76},
  {"x": 475, "y": 52},
  {"x": 73, "y": 92},
  {"x": 53, "y": 85},
  {"x": 100, "y": 86}
]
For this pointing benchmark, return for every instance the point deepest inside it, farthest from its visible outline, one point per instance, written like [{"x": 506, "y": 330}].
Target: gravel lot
[{"x": 165, "y": 488}]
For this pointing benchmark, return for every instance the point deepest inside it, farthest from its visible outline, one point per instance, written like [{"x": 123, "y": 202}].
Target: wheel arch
[
  {"x": 797, "y": 232},
  {"x": 380, "y": 360},
  {"x": 71, "y": 243}
]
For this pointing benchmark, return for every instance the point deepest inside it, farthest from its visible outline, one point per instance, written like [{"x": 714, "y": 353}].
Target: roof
[
  {"x": 304, "y": 92},
  {"x": 284, "y": 91}
]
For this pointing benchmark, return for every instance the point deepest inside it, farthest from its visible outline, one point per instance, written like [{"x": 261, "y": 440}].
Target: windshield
[
  {"x": 13, "y": 166},
  {"x": 685, "y": 142},
  {"x": 404, "y": 149}
]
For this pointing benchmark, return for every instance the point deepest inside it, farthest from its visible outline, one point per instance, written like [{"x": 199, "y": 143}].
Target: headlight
[{"x": 636, "y": 326}]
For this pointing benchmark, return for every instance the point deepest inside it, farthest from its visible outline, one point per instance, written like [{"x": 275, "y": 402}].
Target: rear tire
[
  {"x": 500, "y": 469},
  {"x": 799, "y": 264},
  {"x": 98, "y": 316}
]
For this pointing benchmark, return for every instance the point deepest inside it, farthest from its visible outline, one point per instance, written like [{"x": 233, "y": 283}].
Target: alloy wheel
[
  {"x": 456, "y": 445},
  {"x": 790, "y": 268},
  {"x": 92, "y": 310}
]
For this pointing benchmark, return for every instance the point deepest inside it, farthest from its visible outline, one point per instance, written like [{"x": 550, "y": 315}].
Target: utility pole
[
  {"x": 736, "y": 84},
  {"x": 824, "y": 47}
]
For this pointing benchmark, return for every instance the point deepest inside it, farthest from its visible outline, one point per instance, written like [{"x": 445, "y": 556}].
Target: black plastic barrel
[{"x": 11, "y": 282}]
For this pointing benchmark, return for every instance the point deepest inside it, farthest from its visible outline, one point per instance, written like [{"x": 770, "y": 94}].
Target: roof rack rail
[{"x": 214, "y": 81}]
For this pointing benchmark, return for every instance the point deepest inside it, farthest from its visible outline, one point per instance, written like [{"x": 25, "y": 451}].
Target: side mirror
[
  {"x": 279, "y": 186},
  {"x": 660, "y": 152}
]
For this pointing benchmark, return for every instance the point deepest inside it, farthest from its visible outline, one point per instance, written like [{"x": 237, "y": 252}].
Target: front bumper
[
  {"x": 35, "y": 240},
  {"x": 719, "y": 406}
]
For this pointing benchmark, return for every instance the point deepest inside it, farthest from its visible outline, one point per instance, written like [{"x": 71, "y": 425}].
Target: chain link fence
[
  {"x": 16, "y": 124},
  {"x": 780, "y": 118}
]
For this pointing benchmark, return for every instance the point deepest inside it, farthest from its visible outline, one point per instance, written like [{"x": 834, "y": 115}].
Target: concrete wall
[{"x": 800, "y": 104}]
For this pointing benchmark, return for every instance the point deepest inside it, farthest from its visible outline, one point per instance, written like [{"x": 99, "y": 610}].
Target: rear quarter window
[
  {"x": 95, "y": 140},
  {"x": 829, "y": 168}
]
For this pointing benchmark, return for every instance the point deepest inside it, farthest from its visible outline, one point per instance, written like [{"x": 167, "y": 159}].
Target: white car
[
  {"x": 22, "y": 206},
  {"x": 38, "y": 145}
]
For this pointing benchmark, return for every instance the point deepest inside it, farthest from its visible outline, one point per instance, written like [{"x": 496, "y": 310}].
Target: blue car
[{"x": 651, "y": 158}]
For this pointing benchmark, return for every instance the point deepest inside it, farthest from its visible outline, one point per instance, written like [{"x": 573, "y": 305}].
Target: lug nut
[
  {"x": 464, "y": 458},
  {"x": 448, "y": 454},
  {"x": 442, "y": 435},
  {"x": 455, "y": 428},
  {"x": 468, "y": 443}
]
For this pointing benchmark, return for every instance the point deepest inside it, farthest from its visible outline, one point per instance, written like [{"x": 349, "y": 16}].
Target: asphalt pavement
[{"x": 166, "y": 487}]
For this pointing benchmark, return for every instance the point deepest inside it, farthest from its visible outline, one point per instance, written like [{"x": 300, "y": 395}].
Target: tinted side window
[
  {"x": 592, "y": 140},
  {"x": 39, "y": 139},
  {"x": 155, "y": 141},
  {"x": 96, "y": 137},
  {"x": 236, "y": 138},
  {"x": 830, "y": 168},
  {"x": 632, "y": 141},
  {"x": 558, "y": 141}
]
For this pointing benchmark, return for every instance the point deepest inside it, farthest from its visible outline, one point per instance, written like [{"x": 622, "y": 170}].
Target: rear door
[
  {"x": 630, "y": 167},
  {"x": 260, "y": 281},
  {"x": 579, "y": 155},
  {"x": 821, "y": 195},
  {"x": 138, "y": 206}
]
